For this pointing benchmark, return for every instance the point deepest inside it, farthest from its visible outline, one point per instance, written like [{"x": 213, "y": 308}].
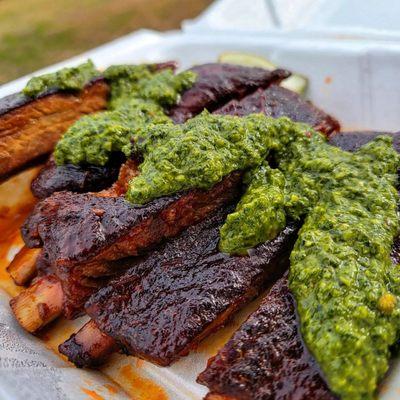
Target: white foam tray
[{"x": 355, "y": 81}]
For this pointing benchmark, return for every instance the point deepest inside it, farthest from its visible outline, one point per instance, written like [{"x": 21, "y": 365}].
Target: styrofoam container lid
[{"x": 340, "y": 19}]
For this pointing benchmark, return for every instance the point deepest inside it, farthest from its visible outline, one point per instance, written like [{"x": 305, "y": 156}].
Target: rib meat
[
  {"x": 172, "y": 298},
  {"x": 29, "y": 128},
  {"x": 276, "y": 101},
  {"x": 352, "y": 141},
  {"x": 218, "y": 83}
]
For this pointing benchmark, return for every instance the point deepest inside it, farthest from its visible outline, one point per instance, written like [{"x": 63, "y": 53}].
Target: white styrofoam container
[{"x": 355, "y": 81}]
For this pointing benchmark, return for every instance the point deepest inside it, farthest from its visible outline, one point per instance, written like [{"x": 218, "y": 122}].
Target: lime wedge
[{"x": 296, "y": 82}]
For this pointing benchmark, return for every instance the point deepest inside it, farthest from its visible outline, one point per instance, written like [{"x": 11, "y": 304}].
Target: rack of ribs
[
  {"x": 169, "y": 300},
  {"x": 117, "y": 309},
  {"x": 215, "y": 84},
  {"x": 82, "y": 270}
]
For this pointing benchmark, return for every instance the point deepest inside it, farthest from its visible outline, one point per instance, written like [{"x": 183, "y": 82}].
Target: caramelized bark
[
  {"x": 352, "y": 141},
  {"x": 53, "y": 178},
  {"x": 80, "y": 233},
  {"x": 29, "y": 128},
  {"x": 218, "y": 83},
  {"x": 276, "y": 101}
]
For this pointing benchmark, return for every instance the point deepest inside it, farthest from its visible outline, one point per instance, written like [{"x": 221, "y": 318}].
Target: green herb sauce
[
  {"x": 93, "y": 138},
  {"x": 74, "y": 78},
  {"x": 259, "y": 215},
  {"x": 341, "y": 273},
  {"x": 200, "y": 152},
  {"x": 142, "y": 81},
  {"x": 138, "y": 96}
]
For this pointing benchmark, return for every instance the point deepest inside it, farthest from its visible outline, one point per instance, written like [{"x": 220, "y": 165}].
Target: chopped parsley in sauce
[
  {"x": 70, "y": 79},
  {"x": 138, "y": 97}
]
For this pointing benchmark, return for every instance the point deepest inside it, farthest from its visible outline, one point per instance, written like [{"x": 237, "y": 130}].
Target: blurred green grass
[{"x": 36, "y": 33}]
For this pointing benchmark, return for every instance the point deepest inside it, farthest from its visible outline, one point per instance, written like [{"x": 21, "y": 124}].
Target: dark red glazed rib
[
  {"x": 276, "y": 101},
  {"x": 218, "y": 83},
  {"x": 169, "y": 300}
]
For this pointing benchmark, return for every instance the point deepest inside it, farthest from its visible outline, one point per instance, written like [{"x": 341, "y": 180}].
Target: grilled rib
[
  {"x": 80, "y": 233},
  {"x": 266, "y": 358},
  {"x": 169, "y": 300}
]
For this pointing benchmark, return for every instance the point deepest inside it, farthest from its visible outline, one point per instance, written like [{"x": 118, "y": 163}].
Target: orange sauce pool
[
  {"x": 92, "y": 394},
  {"x": 140, "y": 387}
]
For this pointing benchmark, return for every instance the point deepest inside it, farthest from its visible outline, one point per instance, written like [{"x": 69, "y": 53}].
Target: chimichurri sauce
[
  {"x": 341, "y": 274},
  {"x": 138, "y": 97}
]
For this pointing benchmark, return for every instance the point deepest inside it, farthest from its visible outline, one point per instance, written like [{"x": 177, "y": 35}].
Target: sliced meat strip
[
  {"x": 266, "y": 358},
  {"x": 29, "y": 128}
]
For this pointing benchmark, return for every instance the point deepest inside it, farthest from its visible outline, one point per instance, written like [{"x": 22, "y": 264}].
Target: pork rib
[
  {"x": 80, "y": 233},
  {"x": 266, "y": 358}
]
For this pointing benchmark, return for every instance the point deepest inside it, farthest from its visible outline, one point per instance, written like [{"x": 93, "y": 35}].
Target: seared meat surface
[
  {"x": 29, "y": 128},
  {"x": 276, "y": 101},
  {"x": 74, "y": 178},
  {"x": 352, "y": 141},
  {"x": 218, "y": 83}
]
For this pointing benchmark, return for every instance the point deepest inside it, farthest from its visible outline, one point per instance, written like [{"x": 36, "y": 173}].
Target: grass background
[{"x": 36, "y": 33}]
